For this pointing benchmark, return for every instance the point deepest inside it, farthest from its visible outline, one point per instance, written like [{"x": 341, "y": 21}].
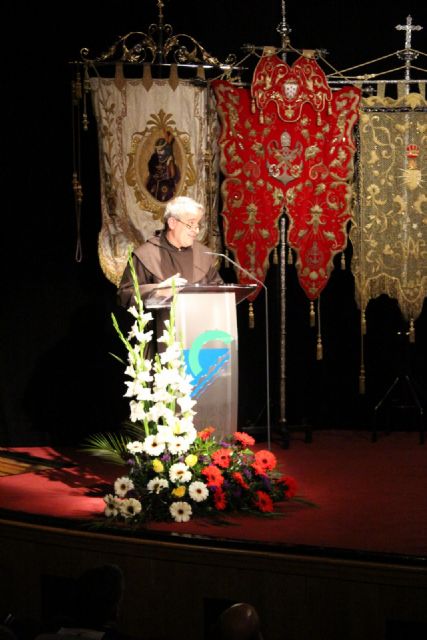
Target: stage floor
[{"x": 371, "y": 498}]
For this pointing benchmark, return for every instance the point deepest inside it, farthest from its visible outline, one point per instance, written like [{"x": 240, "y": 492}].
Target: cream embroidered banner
[
  {"x": 389, "y": 236},
  {"x": 154, "y": 144}
]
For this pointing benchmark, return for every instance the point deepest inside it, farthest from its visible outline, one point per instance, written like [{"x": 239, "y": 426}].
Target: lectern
[{"x": 206, "y": 324}]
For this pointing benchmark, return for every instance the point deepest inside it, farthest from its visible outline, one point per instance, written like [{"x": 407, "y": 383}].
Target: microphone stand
[{"x": 267, "y": 356}]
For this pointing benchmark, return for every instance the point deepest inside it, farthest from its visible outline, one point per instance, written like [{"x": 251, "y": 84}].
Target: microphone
[{"x": 267, "y": 358}]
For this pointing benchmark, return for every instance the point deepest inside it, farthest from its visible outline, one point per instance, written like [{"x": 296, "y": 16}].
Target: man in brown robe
[{"x": 174, "y": 253}]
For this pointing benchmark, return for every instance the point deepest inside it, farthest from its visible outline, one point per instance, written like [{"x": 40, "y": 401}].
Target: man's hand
[{"x": 175, "y": 279}]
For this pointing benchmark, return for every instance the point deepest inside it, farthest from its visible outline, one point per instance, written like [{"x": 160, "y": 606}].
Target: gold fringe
[
  {"x": 261, "y": 117},
  {"x": 312, "y": 314},
  {"x": 251, "y": 316},
  {"x": 411, "y": 331},
  {"x": 343, "y": 261},
  {"x": 253, "y": 107}
]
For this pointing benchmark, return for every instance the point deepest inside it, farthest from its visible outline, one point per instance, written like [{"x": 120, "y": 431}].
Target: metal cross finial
[
  {"x": 409, "y": 28},
  {"x": 408, "y": 54}
]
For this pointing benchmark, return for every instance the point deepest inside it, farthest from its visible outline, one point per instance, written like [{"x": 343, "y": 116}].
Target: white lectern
[{"x": 206, "y": 324}]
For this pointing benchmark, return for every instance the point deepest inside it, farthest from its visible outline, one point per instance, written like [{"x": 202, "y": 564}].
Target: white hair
[{"x": 183, "y": 206}]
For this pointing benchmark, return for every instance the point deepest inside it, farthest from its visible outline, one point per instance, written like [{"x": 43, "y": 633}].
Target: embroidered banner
[
  {"x": 251, "y": 204},
  {"x": 154, "y": 143},
  {"x": 390, "y": 233},
  {"x": 290, "y": 143}
]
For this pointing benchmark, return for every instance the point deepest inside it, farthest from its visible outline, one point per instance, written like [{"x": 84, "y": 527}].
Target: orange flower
[
  {"x": 220, "y": 500},
  {"x": 213, "y": 476},
  {"x": 264, "y": 502},
  {"x": 237, "y": 476},
  {"x": 259, "y": 469},
  {"x": 222, "y": 457},
  {"x": 206, "y": 433},
  {"x": 265, "y": 459},
  {"x": 289, "y": 485},
  {"x": 243, "y": 438}
]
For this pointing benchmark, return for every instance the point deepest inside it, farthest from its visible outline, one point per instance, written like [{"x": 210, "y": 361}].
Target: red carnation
[
  {"x": 243, "y": 438},
  {"x": 266, "y": 459},
  {"x": 213, "y": 476},
  {"x": 258, "y": 468},
  {"x": 289, "y": 486},
  {"x": 222, "y": 458},
  {"x": 263, "y": 502},
  {"x": 237, "y": 476},
  {"x": 206, "y": 433},
  {"x": 220, "y": 500}
]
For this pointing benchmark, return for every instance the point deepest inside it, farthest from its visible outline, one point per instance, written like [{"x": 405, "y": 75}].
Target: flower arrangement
[{"x": 173, "y": 471}]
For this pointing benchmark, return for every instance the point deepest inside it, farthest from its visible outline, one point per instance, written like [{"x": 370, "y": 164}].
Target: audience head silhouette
[
  {"x": 239, "y": 622},
  {"x": 98, "y": 597}
]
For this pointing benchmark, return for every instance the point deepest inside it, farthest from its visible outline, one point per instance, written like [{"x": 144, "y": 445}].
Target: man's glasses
[{"x": 192, "y": 227}]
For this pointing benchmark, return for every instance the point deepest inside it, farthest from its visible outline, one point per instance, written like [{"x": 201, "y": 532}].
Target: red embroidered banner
[
  {"x": 296, "y": 151},
  {"x": 251, "y": 203}
]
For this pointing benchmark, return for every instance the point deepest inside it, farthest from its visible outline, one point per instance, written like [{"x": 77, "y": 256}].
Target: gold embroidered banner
[
  {"x": 156, "y": 141},
  {"x": 390, "y": 232}
]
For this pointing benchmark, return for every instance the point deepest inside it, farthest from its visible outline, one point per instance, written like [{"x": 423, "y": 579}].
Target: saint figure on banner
[{"x": 164, "y": 173}]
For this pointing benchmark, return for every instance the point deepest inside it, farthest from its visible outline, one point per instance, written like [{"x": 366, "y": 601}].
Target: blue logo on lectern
[{"x": 203, "y": 363}]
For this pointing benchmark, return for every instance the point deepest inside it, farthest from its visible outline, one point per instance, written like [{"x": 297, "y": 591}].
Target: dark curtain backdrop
[{"x": 58, "y": 379}]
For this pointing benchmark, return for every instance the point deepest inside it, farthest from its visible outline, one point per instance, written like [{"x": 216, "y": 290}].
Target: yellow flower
[
  {"x": 179, "y": 492},
  {"x": 158, "y": 466},
  {"x": 190, "y": 460}
]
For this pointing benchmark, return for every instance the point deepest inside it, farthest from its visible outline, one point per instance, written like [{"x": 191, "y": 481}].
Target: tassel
[
  {"x": 290, "y": 256},
  {"x": 275, "y": 256},
  {"x": 329, "y": 109},
  {"x": 312, "y": 314},
  {"x": 253, "y": 107},
  {"x": 363, "y": 323},
  {"x": 411, "y": 331},
  {"x": 362, "y": 380},
  {"x": 343, "y": 261},
  {"x": 251, "y": 316},
  {"x": 261, "y": 117},
  {"x": 319, "y": 348},
  {"x": 362, "y": 377}
]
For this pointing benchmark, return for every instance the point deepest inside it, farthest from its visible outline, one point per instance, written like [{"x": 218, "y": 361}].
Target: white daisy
[
  {"x": 180, "y": 511},
  {"x": 153, "y": 445},
  {"x": 112, "y": 505},
  {"x": 157, "y": 484},
  {"x": 135, "y": 447},
  {"x": 130, "y": 507},
  {"x": 178, "y": 444},
  {"x": 179, "y": 472},
  {"x": 198, "y": 491},
  {"x": 122, "y": 486}
]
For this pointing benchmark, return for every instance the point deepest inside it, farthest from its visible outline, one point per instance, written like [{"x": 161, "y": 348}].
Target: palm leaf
[{"x": 109, "y": 446}]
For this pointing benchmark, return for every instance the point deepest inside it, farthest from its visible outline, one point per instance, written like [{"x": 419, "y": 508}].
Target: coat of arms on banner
[{"x": 160, "y": 163}]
